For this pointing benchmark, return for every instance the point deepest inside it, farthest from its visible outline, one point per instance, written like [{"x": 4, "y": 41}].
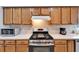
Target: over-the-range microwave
[{"x": 9, "y": 31}]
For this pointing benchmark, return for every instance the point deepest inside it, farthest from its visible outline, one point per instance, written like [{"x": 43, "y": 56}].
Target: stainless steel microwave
[{"x": 9, "y": 31}]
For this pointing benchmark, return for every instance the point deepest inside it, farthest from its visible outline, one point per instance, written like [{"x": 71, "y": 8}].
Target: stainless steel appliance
[
  {"x": 9, "y": 31},
  {"x": 77, "y": 45},
  {"x": 41, "y": 41}
]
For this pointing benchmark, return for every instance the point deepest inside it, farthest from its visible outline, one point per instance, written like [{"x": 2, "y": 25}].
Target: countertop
[
  {"x": 67, "y": 36},
  {"x": 28, "y": 34}
]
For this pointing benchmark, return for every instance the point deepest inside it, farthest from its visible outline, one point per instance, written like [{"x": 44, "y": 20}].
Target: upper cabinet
[
  {"x": 45, "y": 11},
  {"x": 16, "y": 15},
  {"x": 23, "y": 15},
  {"x": 7, "y": 15},
  {"x": 56, "y": 15},
  {"x": 78, "y": 15},
  {"x": 40, "y": 11},
  {"x": 66, "y": 15},
  {"x": 74, "y": 15},
  {"x": 26, "y": 16},
  {"x": 35, "y": 11}
]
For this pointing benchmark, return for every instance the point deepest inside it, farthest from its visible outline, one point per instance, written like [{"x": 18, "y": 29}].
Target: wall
[
  {"x": 69, "y": 28},
  {"x": 1, "y": 16}
]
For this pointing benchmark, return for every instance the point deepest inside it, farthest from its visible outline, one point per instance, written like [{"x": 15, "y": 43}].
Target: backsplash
[{"x": 69, "y": 28}]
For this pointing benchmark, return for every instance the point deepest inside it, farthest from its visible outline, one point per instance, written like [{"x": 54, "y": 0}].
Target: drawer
[
  {"x": 22, "y": 42},
  {"x": 9, "y": 42},
  {"x": 60, "y": 42},
  {"x": 1, "y": 42}
]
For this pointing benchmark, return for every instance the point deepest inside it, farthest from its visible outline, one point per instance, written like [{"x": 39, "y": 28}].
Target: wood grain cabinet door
[
  {"x": 1, "y": 48},
  {"x": 7, "y": 16},
  {"x": 71, "y": 46},
  {"x": 56, "y": 15},
  {"x": 26, "y": 16},
  {"x": 60, "y": 48},
  {"x": 66, "y": 15},
  {"x": 35, "y": 11},
  {"x": 16, "y": 15},
  {"x": 9, "y": 48},
  {"x": 22, "y": 48},
  {"x": 78, "y": 15},
  {"x": 74, "y": 15},
  {"x": 45, "y": 11}
]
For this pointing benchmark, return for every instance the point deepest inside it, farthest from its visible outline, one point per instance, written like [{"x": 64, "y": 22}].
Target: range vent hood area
[{"x": 41, "y": 18}]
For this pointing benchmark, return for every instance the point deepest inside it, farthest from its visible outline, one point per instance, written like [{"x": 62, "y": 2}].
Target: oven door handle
[{"x": 41, "y": 45}]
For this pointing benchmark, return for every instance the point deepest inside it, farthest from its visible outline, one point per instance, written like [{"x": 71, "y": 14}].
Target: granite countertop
[
  {"x": 28, "y": 34},
  {"x": 67, "y": 36}
]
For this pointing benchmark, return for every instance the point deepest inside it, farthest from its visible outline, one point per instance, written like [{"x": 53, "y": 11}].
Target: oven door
[{"x": 41, "y": 48}]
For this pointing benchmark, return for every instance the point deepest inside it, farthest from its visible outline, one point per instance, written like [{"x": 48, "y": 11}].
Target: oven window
[{"x": 41, "y": 49}]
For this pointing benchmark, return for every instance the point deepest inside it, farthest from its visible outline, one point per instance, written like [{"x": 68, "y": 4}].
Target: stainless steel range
[{"x": 41, "y": 41}]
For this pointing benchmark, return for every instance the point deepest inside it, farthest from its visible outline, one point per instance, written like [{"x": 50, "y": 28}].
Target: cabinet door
[
  {"x": 22, "y": 48},
  {"x": 1, "y": 48},
  {"x": 35, "y": 11},
  {"x": 56, "y": 15},
  {"x": 9, "y": 48},
  {"x": 26, "y": 16},
  {"x": 7, "y": 15},
  {"x": 16, "y": 15},
  {"x": 66, "y": 15},
  {"x": 60, "y": 48},
  {"x": 74, "y": 15},
  {"x": 71, "y": 46},
  {"x": 78, "y": 15},
  {"x": 45, "y": 11}
]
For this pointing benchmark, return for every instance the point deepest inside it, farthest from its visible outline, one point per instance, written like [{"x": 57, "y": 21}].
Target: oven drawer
[{"x": 22, "y": 42}]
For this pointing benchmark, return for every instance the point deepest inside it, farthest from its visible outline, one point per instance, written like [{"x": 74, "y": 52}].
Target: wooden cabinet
[
  {"x": 16, "y": 15},
  {"x": 45, "y": 11},
  {"x": 78, "y": 15},
  {"x": 26, "y": 16},
  {"x": 22, "y": 46},
  {"x": 35, "y": 11},
  {"x": 9, "y": 46},
  {"x": 1, "y": 46},
  {"x": 7, "y": 15},
  {"x": 71, "y": 46},
  {"x": 56, "y": 15},
  {"x": 24, "y": 42},
  {"x": 66, "y": 15},
  {"x": 40, "y": 11},
  {"x": 74, "y": 15},
  {"x": 64, "y": 46},
  {"x": 10, "y": 42},
  {"x": 22, "y": 15},
  {"x": 60, "y": 46}
]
